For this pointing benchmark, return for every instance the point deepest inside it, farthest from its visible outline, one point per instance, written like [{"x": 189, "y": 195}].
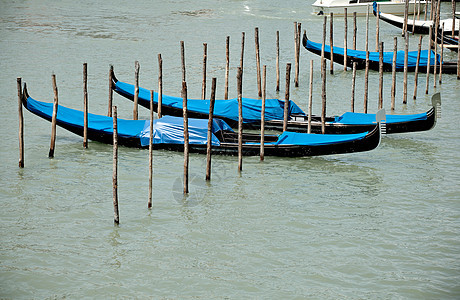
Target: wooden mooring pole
[
  {"x": 377, "y": 33},
  {"x": 310, "y": 97},
  {"x": 355, "y": 29},
  {"x": 366, "y": 72},
  {"x": 453, "y": 17},
  {"x": 21, "y": 123},
  {"x": 160, "y": 85},
  {"x": 85, "y": 105},
  {"x": 203, "y": 85},
  {"x": 210, "y": 122},
  {"x": 262, "y": 114},
  {"x": 417, "y": 66},
  {"x": 406, "y": 15},
  {"x": 136, "y": 90},
  {"x": 286, "y": 97},
  {"x": 256, "y": 40},
  {"x": 331, "y": 41},
  {"x": 239, "y": 87},
  {"x": 442, "y": 54},
  {"x": 182, "y": 55},
  {"x": 53, "y": 119},
  {"x": 353, "y": 86},
  {"x": 242, "y": 54},
  {"x": 227, "y": 66},
  {"x": 186, "y": 136},
  {"x": 393, "y": 73},
  {"x": 428, "y": 62},
  {"x": 277, "y": 61},
  {"x": 323, "y": 97},
  {"x": 109, "y": 110},
  {"x": 345, "y": 40},
  {"x": 297, "y": 57},
  {"x": 406, "y": 58},
  {"x": 149, "y": 204},
  {"x": 116, "y": 216},
  {"x": 380, "y": 76}
]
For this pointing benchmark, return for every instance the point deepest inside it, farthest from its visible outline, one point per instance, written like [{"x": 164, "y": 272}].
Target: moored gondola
[
  {"x": 358, "y": 56},
  {"x": 227, "y": 110},
  {"x": 168, "y": 134}
]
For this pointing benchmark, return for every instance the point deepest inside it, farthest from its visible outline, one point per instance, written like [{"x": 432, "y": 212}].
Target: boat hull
[{"x": 396, "y": 8}]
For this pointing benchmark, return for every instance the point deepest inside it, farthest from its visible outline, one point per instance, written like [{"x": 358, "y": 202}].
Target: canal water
[{"x": 376, "y": 225}]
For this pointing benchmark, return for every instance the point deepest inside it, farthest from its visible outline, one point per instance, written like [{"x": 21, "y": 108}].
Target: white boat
[{"x": 395, "y": 7}]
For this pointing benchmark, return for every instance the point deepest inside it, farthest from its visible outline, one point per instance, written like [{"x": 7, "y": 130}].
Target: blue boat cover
[
  {"x": 252, "y": 108},
  {"x": 387, "y": 56},
  {"x": 126, "y": 128},
  {"x": 361, "y": 118},
  {"x": 167, "y": 130},
  {"x": 170, "y": 130}
]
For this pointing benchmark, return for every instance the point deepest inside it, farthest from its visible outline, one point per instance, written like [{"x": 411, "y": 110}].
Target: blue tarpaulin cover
[
  {"x": 170, "y": 130},
  {"x": 361, "y": 118},
  {"x": 252, "y": 108},
  {"x": 387, "y": 56},
  {"x": 126, "y": 128}
]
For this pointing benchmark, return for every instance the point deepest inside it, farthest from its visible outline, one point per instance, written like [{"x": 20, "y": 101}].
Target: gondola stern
[
  {"x": 304, "y": 39},
  {"x": 436, "y": 102}
]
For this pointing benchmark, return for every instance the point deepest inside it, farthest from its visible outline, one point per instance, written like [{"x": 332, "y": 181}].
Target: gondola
[
  {"x": 298, "y": 121},
  {"x": 168, "y": 134},
  {"x": 358, "y": 56},
  {"x": 449, "y": 41},
  {"x": 419, "y": 26}
]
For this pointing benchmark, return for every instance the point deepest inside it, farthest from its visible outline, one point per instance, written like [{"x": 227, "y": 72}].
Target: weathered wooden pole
[
  {"x": 186, "y": 140},
  {"x": 21, "y": 123},
  {"x": 417, "y": 66},
  {"x": 323, "y": 97},
  {"x": 116, "y": 216},
  {"x": 85, "y": 105},
  {"x": 277, "y": 61},
  {"x": 295, "y": 49},
  {"x": 149, "y": 204},
  {"x": 136, "y": 90},
  {"x": 436, "y": 42},
  {"x": 310, "y": 97},
  {"x": 109, "y": 110},
  {"x": 366, "y": 71},
  {"x": 53, "y": 119},
  {"x": 353, "y": 85},
  {"x": 406, "y": 13},
  {"x": 239, "y": 87},
  {"x": 256, "y": 40},
  {"x": 160, "y": 85},
  {"x": 458, "y": 59},
  {"x": 203, "y": 85},
  {"x": 442, "y": 54},
  {"x": 345, "y": 40},
  {"x": 286, "y": 97},
  {"x": 377, "y": 30},
  {"x": 453, "y": 17},
  {"x": 331, "y": 41},
  {"x": 426, "y": 10},
  {"x": 406, "y": 57},
  {"x": 297, "y": 66},
  {"x": 413, "y": 21},
  {"x": 428, "y": 61},
  {"x": 227, "y": 66},
  {"x": 262, "y": 114},
  {"x": 355, "y": 29},
  {"x": 210, "y": 122},
  {"x": 182, "y": 55},
  {"x": 324, "y": 41},
  {"x": 242, "y": 54},
  {"x": 381, "y": 76},
  {"x": 393, "y": 73}
]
